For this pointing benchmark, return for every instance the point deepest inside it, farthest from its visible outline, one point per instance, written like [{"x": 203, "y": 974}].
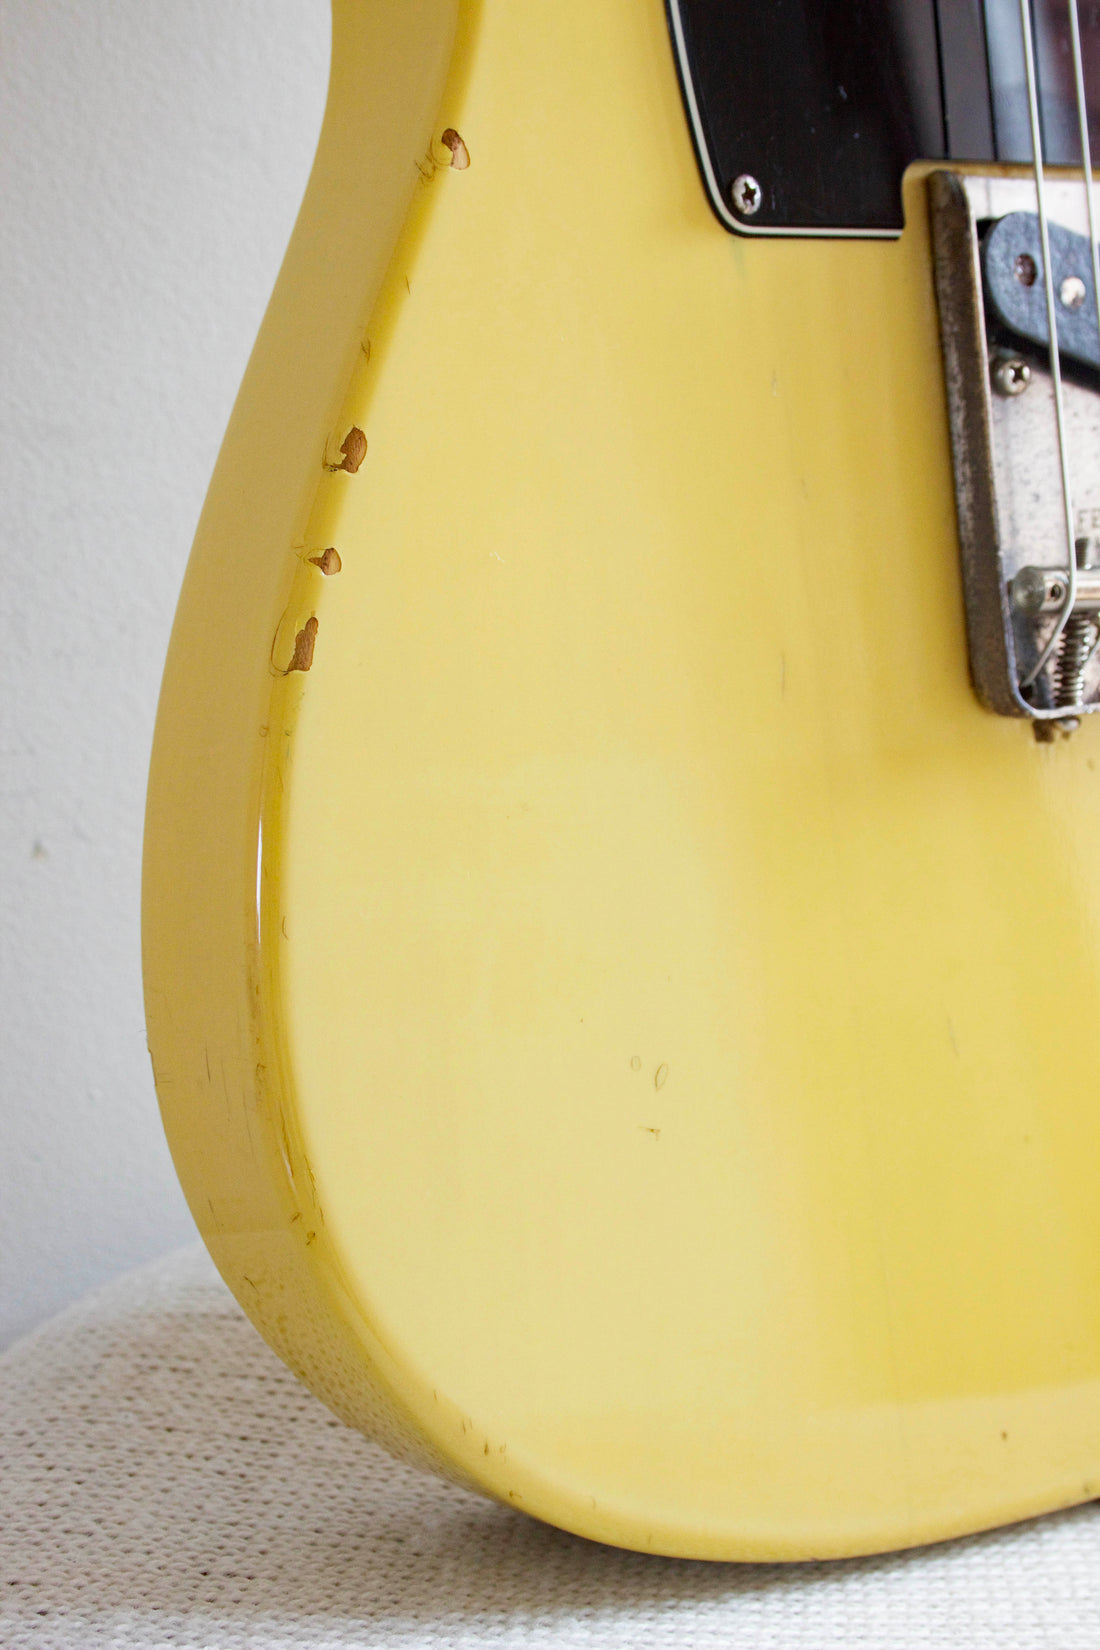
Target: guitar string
[
  {"x": 1090, "y": 204},
  {"x": 1055, "y": 355}
]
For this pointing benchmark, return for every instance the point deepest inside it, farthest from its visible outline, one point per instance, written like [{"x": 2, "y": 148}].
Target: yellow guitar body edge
[{"x": 625, "y": 1017}]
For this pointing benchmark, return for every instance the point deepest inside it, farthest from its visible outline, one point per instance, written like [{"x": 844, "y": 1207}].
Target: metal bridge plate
[{"x": 1007, "y": 472}]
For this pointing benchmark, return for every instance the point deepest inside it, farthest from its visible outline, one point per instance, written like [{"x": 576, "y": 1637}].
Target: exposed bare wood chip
[
  {"x": 460, "y": 155},
  {"x": 328, "y": 561},
  {"x": 354, "y": 449},
  {"x": 304, "y": 643}
]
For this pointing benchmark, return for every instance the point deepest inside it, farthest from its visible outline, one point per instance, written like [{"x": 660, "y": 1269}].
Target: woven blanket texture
[{"x": 168, "y": 1483}]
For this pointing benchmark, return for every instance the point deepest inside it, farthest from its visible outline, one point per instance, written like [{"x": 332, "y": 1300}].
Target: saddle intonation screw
[{"x": 1074, "y": 651}]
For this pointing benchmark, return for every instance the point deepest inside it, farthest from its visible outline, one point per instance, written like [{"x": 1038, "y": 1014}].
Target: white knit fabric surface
[{"x": 168, "y": 1483}]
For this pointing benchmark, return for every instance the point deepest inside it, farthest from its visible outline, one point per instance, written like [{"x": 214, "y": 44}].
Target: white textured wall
[{"x": 152, "y": 157}]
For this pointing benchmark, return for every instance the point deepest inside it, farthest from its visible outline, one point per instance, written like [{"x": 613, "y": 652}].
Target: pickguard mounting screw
[
  {"x": 747, "y": 195},
  {"x": 1011, "y": 374}
]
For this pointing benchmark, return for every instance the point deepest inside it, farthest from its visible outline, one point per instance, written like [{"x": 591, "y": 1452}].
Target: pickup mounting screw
[
  {"x": 1011, "y": 375},
  {"x": 747, "y": 195},
  {"x": 1072, "y": 292}
]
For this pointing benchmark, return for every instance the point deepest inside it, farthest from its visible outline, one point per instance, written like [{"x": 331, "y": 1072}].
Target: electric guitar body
[{"x": 626, "y": 1016}]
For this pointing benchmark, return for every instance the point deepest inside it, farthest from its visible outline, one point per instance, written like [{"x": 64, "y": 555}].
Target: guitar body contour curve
[{"x": 625, "y": 1017}]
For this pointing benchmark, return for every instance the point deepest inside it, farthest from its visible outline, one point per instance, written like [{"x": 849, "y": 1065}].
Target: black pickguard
[{"x": 824, "y": 103}]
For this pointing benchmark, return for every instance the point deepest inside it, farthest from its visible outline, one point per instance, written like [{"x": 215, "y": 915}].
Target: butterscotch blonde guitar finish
[{"x": 626, "y": 1019}]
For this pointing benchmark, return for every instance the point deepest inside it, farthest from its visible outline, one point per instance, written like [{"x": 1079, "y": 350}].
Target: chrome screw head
[
  {"x": 747, "y": 195},
  {"x": 1072, "y": 292},
  {"x": 1011, "y": 374}
]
